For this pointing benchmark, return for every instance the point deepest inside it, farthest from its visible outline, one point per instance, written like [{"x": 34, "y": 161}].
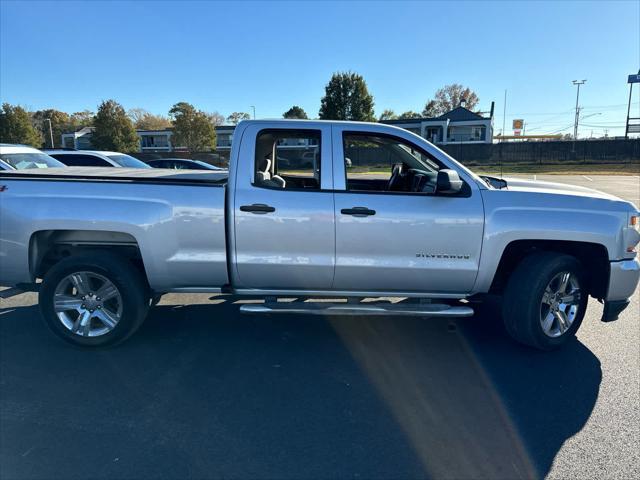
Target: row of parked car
[{"x": 19, "y": 157}]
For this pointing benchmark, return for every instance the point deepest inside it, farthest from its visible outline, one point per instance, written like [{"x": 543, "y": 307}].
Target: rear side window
[
  {"x": 81, "y": 160},
  {"x": 288, "y": 159}
]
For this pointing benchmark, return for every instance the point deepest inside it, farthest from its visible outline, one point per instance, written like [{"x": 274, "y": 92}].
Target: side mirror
[{"x": 448, "y": 181}]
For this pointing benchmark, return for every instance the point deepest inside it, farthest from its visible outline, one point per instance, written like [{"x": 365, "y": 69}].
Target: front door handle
[
  {"x": 358, "y": 211},
  {"x": 257, "y": 208}
]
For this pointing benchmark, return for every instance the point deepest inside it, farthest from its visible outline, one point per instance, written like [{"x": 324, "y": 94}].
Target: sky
[{"x": 228, "y": 56}]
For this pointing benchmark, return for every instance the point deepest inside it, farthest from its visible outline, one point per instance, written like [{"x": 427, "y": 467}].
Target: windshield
[
  {"x": 21, "y": 161},
  {"x": 127, "y": 161}
]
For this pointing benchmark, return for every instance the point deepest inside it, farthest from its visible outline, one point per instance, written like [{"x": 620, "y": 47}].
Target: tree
[
  {"x": 144, "y": 120},
  {"x": 347, "y": 98},
  {"x": 236, "y": 117},
  {"x": 409, "y": 114},
  {"x": 114, "y": 129},
  {"x": 16, "y": 126},
  {"x": 388, "y": 115},
  {"x": 449, "y": 97},
  {"x": 430, "y": 110},
  {"x": 60, "y": 123},
  {"x": 216, "y": 118},
  {"x": 295, "y": 112},
  {"x": 192, "y": 128},
  {"x": 82, "y": 119}
]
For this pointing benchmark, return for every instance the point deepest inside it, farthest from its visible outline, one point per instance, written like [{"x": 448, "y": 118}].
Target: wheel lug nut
[
  {"x": 99, "y": 307},
  {"x": 83, "y": 305}
]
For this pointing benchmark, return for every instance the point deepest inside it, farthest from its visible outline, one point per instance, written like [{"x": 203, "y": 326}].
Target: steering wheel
[{"x": 396, "y": 175}]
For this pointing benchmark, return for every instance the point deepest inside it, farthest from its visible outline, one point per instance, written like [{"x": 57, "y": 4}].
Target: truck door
[
  {"x": 394, "y": 232},
  {"x": 284, "y": 228}
]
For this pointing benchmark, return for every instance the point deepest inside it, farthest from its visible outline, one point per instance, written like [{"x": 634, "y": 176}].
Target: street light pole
[
  {"x": 50, "y": 131},
  {"x": 254, "y": 111},
  {"x": 575, "y": 124}
]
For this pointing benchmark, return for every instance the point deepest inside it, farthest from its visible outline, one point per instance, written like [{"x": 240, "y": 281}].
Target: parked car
[
  {"x": 20, "y": 157},
  {"x": 94, "y": 158},
  {"x": 181, "y": 164},
  {"x": 106, "y": 245}
]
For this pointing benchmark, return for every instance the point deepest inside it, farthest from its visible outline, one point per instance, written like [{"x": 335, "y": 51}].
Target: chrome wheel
[
  {"x": 87, "y": 304},
  {"x": 560, "y": 304}
]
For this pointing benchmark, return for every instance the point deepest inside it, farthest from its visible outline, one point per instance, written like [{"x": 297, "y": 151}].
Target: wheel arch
[
  {"x": 48, "y": 247},
  {"x": 592, "y": 256}
]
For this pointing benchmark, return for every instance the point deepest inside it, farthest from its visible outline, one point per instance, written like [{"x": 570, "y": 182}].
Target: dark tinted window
[{"x": 81, "y": 160}]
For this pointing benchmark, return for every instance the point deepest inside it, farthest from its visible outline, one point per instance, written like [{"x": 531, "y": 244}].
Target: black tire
[
  {"x": 521, "y": 310},
  {"x": 130, "y": 283}
]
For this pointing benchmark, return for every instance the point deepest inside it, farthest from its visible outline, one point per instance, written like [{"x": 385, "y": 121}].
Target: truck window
[
  {"x": 288, "y": 159},
  {"x": 387, "y": 164}
]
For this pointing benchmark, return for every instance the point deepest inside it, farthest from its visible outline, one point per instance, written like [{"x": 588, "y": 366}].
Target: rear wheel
[
  {"x": 545, "y": 300},
  {"x": 94, "y": 300}
]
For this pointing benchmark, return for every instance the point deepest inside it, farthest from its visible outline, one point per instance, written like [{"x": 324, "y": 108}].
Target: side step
[
  {"x": 10, "y": 292},
  {"x": 320, "y": 308}
]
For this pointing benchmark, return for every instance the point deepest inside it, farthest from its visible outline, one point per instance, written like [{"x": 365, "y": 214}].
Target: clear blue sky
[{"x": 228, "y": 56}]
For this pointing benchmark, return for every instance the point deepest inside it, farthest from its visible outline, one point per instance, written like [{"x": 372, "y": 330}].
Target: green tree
[
  {"x": 114, "y": 129},
  {"x": 144, "y": 120},
  {"x": 192, "y": 128},
  {"x": 387, "y": 115},
  {"x": 347, "y": 98},
  {"x": 295, "y": 112},
  {"x": 16, "y": 126},
  {"x": 236, "y": 117},
  {"x": 60, "y": 123},
  {"x": 408, "y": 115},
  {"x": 82, "y": 119},
  {"x": 449, "y": 97}
]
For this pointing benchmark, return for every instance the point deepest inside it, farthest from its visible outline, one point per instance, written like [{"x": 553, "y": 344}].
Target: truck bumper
[{"x": 623, "y": 281}]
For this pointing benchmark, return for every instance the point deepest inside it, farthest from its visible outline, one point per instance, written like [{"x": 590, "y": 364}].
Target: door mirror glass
[{"x": 448, "y": 181}]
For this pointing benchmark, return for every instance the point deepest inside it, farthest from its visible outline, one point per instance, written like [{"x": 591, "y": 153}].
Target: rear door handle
[
  {"x": 257, "y": 208},
  {"x": 358, "y": 211}
]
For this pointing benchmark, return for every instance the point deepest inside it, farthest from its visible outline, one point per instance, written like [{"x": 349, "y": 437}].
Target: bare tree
[
  {"x": 449, "y": 97},
  {"x": 216, "y": 118}
]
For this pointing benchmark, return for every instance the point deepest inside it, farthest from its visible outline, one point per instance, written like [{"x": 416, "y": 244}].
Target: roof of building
[{"x": 459, "y": 114}]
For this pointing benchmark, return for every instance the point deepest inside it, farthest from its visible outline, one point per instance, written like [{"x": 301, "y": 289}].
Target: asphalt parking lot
[{"x": 202, "y": 392}]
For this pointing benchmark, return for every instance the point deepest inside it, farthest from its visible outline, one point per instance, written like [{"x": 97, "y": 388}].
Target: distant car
[
  {"x": 20, "y": 157},
  {"x": 94, "y": 158},
  {"x": 182, "y": 164}
]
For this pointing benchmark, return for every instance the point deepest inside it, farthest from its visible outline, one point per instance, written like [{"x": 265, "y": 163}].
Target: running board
[{"x": 320, "y": 308}]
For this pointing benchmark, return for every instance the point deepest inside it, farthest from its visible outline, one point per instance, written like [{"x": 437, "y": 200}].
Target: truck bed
[
  {"x": 150, "y": 175},
  {"x": 175, "y": 218}
]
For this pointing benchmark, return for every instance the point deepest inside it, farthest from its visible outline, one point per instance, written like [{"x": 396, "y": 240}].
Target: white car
[
  {"x": 95, "y": 158},
  {"x": 20, "y": 157}
]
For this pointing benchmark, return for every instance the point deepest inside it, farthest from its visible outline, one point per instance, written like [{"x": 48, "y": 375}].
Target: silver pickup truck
[{"x": 312, "y": 209}]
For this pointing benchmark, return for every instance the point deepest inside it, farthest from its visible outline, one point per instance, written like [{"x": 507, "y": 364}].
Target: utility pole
[
  {"x": 254, "y": 111},
  {"x": 504, "y": 113},
  {"x": 575, "y": 124},
  {"x": 50, "y": 131}
]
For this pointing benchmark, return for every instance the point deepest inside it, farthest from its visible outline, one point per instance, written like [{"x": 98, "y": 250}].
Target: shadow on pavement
[{"x": 203, "y": 392}]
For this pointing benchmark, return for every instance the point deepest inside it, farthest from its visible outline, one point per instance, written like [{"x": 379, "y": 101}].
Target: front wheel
[
  {"x": 93, "y": 300},
  {"x": 545, "y": 300}
]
